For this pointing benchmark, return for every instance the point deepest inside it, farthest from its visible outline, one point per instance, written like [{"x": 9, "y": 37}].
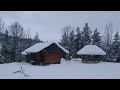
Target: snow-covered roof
[
  {"x": 91, "y": 50},
  {"x": 40, "y": 46}
]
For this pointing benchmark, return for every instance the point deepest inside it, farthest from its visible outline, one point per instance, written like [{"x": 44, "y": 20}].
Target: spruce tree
[
  {"x": 78, "y": 42},
  {"x": 72, "y": 44},
  {"x": 116, "y": 45},
  {"x": 86, "y": 35},
  {"x": 78, "y": 39},
  {"x": 96, "y": 38},
  {"x": 6, "y": 48}
]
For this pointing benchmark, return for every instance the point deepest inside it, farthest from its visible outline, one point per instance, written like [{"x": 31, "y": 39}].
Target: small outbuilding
[
  {"x": 45, "y": 53},
  {"x": 91, "y": 53}
]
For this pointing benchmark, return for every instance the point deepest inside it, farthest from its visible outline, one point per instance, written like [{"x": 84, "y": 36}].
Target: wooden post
[{"x": 36, "y": 58}]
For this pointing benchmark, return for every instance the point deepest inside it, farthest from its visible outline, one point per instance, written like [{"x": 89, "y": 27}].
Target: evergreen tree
[
  {"x": 78, "y": 39},
  {"x": 96, "y": 38},
  {"x": 116, "y": 45},
  {"x": 86, "y": 35},
  {"x": 6, "y": 48},
  {"x": 72, "y": 44},
  {"x": 78, "y": 42}
]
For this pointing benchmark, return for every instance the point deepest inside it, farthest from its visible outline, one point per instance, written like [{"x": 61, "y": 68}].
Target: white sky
[{"x": 49, "y": 23}]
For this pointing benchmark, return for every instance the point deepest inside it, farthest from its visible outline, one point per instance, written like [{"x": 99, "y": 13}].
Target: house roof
[
  {"x": 40, "y": 46},
  {"x": 91, "y": 50}
]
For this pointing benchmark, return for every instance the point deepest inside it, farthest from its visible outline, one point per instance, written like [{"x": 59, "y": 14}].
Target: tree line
[
  {"x": 14, "y": 39},
  {"x": 74, "y": 39}
]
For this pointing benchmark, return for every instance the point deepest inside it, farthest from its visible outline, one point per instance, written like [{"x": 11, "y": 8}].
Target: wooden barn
[
  {"x": 45, "y": 53},
  {"x": 91, "y": 53}
]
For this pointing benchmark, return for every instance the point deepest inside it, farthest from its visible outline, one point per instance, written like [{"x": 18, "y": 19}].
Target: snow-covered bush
[
  {"x": 63, "y": 61},
  {"x": 1, "y": 61}
]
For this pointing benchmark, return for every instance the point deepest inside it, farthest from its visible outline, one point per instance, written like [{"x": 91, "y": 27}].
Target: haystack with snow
[
  {"x": 91, "y": 53},
  {"x": 91, "y": 50}
]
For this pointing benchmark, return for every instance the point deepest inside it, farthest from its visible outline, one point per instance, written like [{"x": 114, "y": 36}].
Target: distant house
[
  {"x": 91, "y": 53},
  {"x": 45, "y": 53}
]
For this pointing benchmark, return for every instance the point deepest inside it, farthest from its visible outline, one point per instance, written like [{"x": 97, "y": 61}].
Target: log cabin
[
  {"x": 45, "y": 53},
  {"x": 91, "y": 54}
]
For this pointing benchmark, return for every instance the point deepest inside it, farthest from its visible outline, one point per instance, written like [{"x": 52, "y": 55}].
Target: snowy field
[{"x": 65, "y": 70}]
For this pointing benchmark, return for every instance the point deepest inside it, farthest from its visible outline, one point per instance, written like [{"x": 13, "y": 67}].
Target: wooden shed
[
  {"x": 91, "y": 53},
  {"x": 45, "y": 53}
]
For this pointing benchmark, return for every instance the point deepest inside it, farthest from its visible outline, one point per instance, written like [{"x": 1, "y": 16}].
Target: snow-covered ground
[{"x": 65, "y": 70}]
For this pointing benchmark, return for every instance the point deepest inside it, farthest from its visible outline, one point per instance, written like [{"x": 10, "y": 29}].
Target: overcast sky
[{"x": 49, "y": 23}]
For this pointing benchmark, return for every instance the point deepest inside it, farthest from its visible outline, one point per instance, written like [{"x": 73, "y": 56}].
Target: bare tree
[
  {"x": 65, "y": 41},
  {"x": 16, "y": 30},
  {"x": 36, "y": 37},
  {"x": 67, "y": 30},
  {"x": 67, "y": 38},
  {"x": 17, "y": 33},
  {"x": 107, "y": 39},
  {"x": 28, "y": 34},
  {"x": 108, "y": 34}
]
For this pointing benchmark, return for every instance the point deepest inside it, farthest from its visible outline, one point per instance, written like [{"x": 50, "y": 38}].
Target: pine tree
[
  {"x": 96, "y": 38},
  {"x": 116, "y": 45},
  {"x": 72, "y": 44},
  {"x": 6, "y": 47},
  {"x": 78, "y": 39},
  {"x": 86, "y": 35},
  {"x": 78, "y": 42}
]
